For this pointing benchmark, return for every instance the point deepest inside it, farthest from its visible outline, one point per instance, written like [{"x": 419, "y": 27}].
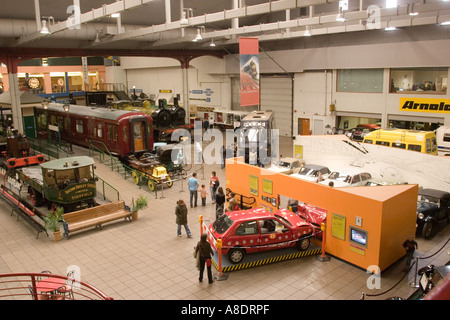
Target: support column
[
  {"x": 185, "y": 76},
  {"x": 16, "y": 108}
]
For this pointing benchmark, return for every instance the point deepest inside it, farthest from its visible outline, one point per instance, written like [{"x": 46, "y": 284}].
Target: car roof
[
  {"x": 314, "y": 166},
  {"x": 434, "y": 193},
  {"x": 68, "y": 163},
  {"x": 350, "y": 170},
  {"x": 250, "y": 214}
]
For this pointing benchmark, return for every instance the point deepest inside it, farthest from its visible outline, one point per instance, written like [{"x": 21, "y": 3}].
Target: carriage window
[
  {"x": 428, "y": 144},
  {"x": 399, "y": 145},
  {"x": 383, "y": 143},
  {"x": 79, "y": 126},
  {"x": 433, "y": 144},
  {"x": 66, "y": 124},
  {"x": 415, "y": 147},
  {"x": 137, "y": 130},
  {"x": 124, "y": 134},
  {"x": 112, "y": 132},
  {"x": 99, "y": 130}
]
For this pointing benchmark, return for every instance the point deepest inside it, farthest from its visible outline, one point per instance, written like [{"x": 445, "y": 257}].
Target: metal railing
[
  {"x": 25, "y": 286},
  {"x": 50, "y": 149}
]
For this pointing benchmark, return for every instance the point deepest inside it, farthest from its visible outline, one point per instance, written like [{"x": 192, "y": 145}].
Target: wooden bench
[{"x": 94, "y": 217}]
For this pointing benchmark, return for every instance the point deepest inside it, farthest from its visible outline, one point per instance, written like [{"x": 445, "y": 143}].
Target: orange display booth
[{"x": 365, "y": 226}]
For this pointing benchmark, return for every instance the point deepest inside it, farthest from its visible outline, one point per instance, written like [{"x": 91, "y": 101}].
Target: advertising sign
[
  {"x": 249, "y": 71},
  {"x": 429, "y": 105}
]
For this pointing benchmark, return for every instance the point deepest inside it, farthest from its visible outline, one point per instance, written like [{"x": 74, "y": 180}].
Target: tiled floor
[{"x": 146, "y": 260}]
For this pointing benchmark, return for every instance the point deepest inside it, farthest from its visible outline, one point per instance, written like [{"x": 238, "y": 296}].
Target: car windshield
[
  {"x": 284, "y": 164},
  {"x": 285, "y": 221},
  {"x": 305, "y": 171},
  {"x": 422, "y": 198},
  {"x": 222, "y": 224},
  {"x": 338, "y": 175}
]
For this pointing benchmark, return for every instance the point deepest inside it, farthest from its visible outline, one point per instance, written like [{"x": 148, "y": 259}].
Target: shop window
[
  {"x": 360, "y": 80},
  {"x": 79, "y": 126},
  {"x": 419, "y": 80}
]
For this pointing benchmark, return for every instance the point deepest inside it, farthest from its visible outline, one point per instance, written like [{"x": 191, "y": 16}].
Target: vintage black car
[{"x": 433, "y": 209}]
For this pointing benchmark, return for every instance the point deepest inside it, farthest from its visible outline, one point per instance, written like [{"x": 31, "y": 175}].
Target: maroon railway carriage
[{"x": 122, "y": 132}]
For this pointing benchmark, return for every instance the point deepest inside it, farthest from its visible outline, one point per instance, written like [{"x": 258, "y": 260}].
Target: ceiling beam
[
  {"x": 90, "y": 16},
  {"x": 246, "y": 11}
]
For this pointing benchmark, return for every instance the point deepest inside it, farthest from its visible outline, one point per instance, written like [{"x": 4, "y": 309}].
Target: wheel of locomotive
[
  {"x": 35, "y": 197},
  {"x": 151, "y": 184},
  {"x": 169, "y": 182},
  {"x": 135, "y": 177}
]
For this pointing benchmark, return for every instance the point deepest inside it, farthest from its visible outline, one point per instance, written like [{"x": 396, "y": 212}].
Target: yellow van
[{"x": 414, "y": 140}]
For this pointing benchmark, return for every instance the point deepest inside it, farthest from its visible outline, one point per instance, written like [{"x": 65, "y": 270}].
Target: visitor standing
[
  {"x": 181, "y": 213},
  {"x": 204, "y": 249},
  {"x": 233, "y": 203},
  {"x": 213, "y": 185},
  {"x": 203, "y": 194},
  {"x": 193, "y": 188},
  {"x": 410, "y": 246},
  {"x": 220, "y": 202}
]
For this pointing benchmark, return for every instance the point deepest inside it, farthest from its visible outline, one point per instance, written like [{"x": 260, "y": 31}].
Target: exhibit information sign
[
  {"x": 338, "y": 226},
  {"x": 253, "y": 183},
  {"x": 267, "y": 186}
]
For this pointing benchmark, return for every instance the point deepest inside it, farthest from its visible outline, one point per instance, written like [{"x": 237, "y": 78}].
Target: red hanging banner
[{"x": 249, "y": 71}]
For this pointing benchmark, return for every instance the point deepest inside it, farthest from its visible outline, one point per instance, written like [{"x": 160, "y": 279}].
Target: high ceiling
[{"x": 156, "y": 24}]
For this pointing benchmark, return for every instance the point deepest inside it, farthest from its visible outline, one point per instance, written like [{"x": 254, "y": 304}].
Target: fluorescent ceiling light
[
  {"x": 199, "y": 36},
  {"x": 340, "y": 17},
  {"x": 115, "y": 15},
  {"x": 390, "y": 28},
  {"x": 307, "y": 32},
  {"x": 184, "y": 21},
  {"x": 413, "y": 13},
  {"x": 44, "y": 29},
  {"x": 391, "y": 3},
  {"x": 445, "y": 23}
]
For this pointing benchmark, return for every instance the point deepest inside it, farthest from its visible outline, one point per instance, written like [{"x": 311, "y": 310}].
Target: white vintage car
[
  {"x": 311, "y": 172},
  {"x": 348, "y": 177},
  {"x": 287, "y": 166}
]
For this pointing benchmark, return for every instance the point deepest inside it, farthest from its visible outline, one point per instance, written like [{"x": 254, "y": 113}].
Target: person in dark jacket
[
  {"x": 410, "y": 246},
  {"x": 181, "y": 213},
  {"x": 204, "y": 249},
  {"x": 220, "y": 202}
]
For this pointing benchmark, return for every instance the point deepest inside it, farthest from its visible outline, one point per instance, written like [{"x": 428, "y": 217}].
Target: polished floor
[{"x": 145, "y": 260}]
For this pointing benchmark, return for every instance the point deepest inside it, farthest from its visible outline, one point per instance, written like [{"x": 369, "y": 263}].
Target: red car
[
  {"x": 256, "y": 230},
  {"x": 313, "y": 215}
]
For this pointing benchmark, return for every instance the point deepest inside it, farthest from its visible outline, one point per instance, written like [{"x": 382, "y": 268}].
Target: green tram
[{"x": 69, "y": 183}]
